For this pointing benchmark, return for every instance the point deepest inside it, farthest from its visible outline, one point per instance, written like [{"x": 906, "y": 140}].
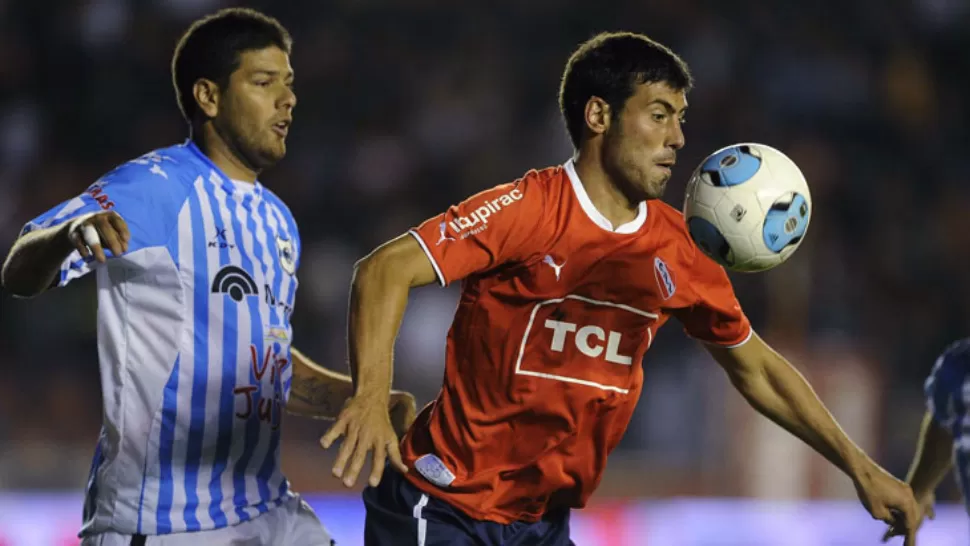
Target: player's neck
[
  {"x": 215, "y": 147},
  {"x": 603, "y": 192}
]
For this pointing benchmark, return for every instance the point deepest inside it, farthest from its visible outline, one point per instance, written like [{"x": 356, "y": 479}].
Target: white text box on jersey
[{"x": 585, "y": 341}]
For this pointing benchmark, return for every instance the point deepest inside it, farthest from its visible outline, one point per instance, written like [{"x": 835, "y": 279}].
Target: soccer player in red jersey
[{"x": 567, "y": 274}]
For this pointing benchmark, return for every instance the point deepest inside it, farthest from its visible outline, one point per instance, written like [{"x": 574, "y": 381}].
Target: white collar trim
[{"x": 596, "y": 216}]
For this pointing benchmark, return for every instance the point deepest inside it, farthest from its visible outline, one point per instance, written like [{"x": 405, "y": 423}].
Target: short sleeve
[
  {"x": 146, "y": 196},
  {"x": 483, "y": 232},
  {"x": 714, "y": 316},
  {"x": 945, "y": 385}
]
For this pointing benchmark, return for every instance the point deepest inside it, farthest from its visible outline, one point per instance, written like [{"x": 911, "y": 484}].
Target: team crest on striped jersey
[
  {"x": 665, "y": 279},
  {"x": 287, "y": 254}
]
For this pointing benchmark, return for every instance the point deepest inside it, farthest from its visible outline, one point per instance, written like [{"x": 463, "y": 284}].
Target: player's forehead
[
  {"x": 661, "y": 94},
  {"x": 271, "y": 60}
]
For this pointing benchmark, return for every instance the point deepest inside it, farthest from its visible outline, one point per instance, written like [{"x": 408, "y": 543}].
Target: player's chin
[
  {"x": 271, "y": 155},
  {"x": 655, "y": 187}
]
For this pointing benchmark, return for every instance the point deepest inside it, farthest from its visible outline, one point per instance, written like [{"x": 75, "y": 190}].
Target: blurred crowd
[{"x": 407, "y": 107}]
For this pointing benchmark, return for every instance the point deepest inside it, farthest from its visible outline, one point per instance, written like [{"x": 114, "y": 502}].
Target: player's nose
[
  {"x": 288, "y": 99},
  {"x": 675, "y": 138}
]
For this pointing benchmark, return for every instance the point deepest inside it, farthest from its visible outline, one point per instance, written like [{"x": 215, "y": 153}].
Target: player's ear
[
  {"x": 206, "y": 95},
  {"x": 597, "y": 115}
]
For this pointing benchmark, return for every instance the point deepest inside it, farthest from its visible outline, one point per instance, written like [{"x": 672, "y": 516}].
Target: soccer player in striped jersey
[
  {"x": 944, "y": 439},
  {"x": 196, "y": 269}
]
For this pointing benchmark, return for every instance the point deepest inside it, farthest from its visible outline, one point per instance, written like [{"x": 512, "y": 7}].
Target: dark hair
[
  {"x": 211, "y": 46},
  {"x": 609, "y": 66}
]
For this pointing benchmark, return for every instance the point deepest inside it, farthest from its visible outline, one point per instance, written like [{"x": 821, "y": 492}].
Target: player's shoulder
[
  {"x": 536, "y": 184},
  {"x": 159, "y": 169},
  {"x": 954, "y": 359},
  {"x": 157, "y": 179},
  {"x": 668, "y": 223}
]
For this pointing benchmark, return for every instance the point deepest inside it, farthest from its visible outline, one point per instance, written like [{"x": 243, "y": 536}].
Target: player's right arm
[
  {"x": 445, "y": 248},
  {"x": 934, "y": 448},
  {"x": 35, "y": 260},
  {"x": 131, "y": 208}
]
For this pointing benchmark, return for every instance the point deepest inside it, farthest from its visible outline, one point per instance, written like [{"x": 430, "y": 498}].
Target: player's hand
[
  {"x": 91, "y": 233},
  {"x": 927, "y": 511},
  {"x": 891, "y": 501},
  {"x": 403, "y": 409},
  {"x": 365, "y": 426}
]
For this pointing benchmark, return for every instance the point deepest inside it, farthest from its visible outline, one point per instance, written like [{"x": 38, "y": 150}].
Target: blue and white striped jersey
[
  {"x": 194, "y": 345},
  {"x": 948, "y": 399}
]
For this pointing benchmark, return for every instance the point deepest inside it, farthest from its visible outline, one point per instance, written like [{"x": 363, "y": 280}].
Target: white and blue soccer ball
[{"x": 748, "y": 207}]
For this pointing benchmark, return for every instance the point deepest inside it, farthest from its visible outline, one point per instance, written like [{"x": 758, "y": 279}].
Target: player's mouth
[
  {"x": 282, "y": 127},
  {"x": 666, "y": 165}
]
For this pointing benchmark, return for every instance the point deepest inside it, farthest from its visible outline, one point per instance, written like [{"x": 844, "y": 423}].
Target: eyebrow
[
  {"x": 271, "y": 72},
  {"x": 669, "y": 107}
]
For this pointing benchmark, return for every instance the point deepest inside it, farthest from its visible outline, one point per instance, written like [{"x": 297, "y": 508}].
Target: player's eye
[
  {"x": 659, "y": 117},
  {"x": 263, "y": 83}
]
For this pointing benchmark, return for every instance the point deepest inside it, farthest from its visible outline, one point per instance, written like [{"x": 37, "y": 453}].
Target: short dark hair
[
  {"x": 211, "y": 47},
  {"x": 609, "y": 66}
]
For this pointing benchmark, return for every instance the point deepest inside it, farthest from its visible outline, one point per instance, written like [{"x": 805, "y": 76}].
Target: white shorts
[{"x": 291, "y": 523}]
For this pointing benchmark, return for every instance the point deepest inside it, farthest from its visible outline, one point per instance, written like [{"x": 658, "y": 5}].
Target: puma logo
[
  {"x": 444, "y": 234},
  {"x": 552, "y": 263}
]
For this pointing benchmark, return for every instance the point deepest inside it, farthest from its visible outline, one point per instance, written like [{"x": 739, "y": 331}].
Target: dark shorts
[{"x": 399, "y": 514}]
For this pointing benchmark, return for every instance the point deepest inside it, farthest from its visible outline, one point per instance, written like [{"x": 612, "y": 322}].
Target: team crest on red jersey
[{"x": 665, "y": 279}]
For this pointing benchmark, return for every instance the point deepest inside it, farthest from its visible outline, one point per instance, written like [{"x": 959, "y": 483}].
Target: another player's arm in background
[
  {"x": 378, "y": 297},
  {"x": 320, "y": 393},
  {"x": 932, "y": 462},
  {"x": 778, "y": 391},
  {"x": 36, "y": 257}
]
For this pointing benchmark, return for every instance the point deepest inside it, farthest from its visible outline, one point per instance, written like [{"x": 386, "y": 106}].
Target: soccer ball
[{"x": 748, "y": 207}]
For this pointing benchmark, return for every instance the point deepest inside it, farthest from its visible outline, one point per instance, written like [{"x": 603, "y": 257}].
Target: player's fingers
[
  {"x": 882, "y": 514},
  {"x": 377, "y": 470},
  {"x": 336, "y": 431},
  {"x": 109, "y": 237},
  {"x": 346, "y": 450},
  {"x": 364, "y": 447},
  {"x": 120, "y": 226},
  {"x": 910, "y": 537},
  {"x": 89, "y": 234},
  {"x": 931, "y": 512},
  {"x": 78, "y": 243},
  {"x": 394, "y": 455},
  {"x": 98, "y": 253}
]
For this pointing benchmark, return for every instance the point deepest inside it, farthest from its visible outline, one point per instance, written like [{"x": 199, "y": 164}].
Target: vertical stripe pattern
[{"x": 207, "y": 457}]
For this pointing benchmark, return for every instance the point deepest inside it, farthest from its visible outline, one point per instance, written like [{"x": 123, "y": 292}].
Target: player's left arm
[
  {"x": 320, "y": 393},
  {"x": 778, "y": 391}
]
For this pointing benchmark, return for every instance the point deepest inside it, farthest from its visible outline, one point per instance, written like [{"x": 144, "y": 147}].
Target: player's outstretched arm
[
  {"x": 378, "y": 296},
  {"x": 36, "y": 257},
  {"x": 932, "y": 462},
  {"x": 319, "y": 393},
  {"x": 773, "y": 387}
]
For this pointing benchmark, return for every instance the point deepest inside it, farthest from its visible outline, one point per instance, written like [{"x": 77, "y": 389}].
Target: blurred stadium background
[{"x": 407, "y": 107}]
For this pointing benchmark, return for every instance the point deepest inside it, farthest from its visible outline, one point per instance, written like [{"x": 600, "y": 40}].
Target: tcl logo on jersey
[
  {"x": 580, "y": 340},
  {"x": 589, "y": 340},
  {"x": 479, "y": 217}
]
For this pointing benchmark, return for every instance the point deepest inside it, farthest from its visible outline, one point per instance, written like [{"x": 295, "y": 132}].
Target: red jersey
[{"x": 543, "y": 362}]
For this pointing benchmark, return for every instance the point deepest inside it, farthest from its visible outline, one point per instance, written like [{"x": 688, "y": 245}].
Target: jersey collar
[
  {"x": 224, "y": 181},
  {"x": 596, "y": 216}
]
